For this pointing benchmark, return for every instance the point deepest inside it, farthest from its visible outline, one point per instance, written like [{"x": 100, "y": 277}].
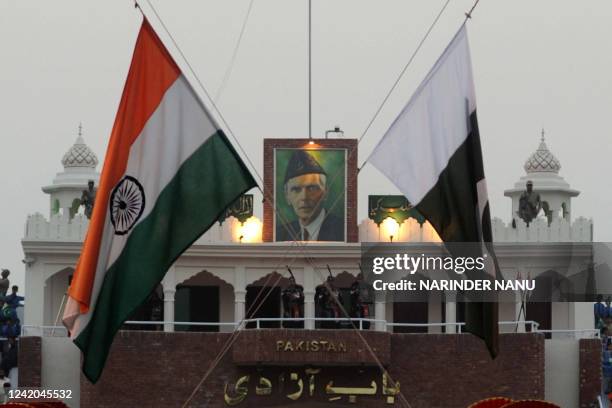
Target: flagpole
[
  {"x": 468, "y": 15},
  {"x": 310, "y": 69}
]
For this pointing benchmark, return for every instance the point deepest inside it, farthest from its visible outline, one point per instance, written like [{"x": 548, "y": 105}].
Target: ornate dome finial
[
  {"x": 80, "y": 155},
  {"x": 542, "y": 160}
]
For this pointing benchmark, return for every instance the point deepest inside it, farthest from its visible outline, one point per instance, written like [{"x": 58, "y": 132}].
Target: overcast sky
[{"x": 545, "y": 63}]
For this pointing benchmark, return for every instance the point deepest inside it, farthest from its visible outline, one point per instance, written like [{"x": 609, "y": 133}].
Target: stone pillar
[
  {"x": 169, "y": 287},
  {"x": 380, "y": 311},
  {"x": 581, "y": 317},
  {"x": 169, "y": 309},
  {"x": 239, "y": 301},
  {"x": 451, "y": 316},
  {"x": 309, "y": 294},
  {"x": 34, "y": 312},
  {"x": 239, "y": 293},
  {"x": 520, "y": 313},
  {"x": 309, "y": 309}
]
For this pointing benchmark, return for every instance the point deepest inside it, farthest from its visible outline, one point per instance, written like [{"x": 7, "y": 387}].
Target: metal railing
[
  {"x": 533, "y": 325},
  {"x": 574, "y": 333},
  {"x": 44, "y": 331},
  {"x": 457, "y": 325},
  {"x": 162, "y": 322},
  {"x": 357, "y": 321},
  {"x": 60, "y": 331}
]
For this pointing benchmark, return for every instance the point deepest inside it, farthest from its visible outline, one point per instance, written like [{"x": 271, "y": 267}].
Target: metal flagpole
[{"x": 310, "y": 69}]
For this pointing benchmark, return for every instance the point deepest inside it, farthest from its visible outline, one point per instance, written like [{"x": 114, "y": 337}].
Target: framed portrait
[
  {"x": 310, "y": 189},
  {"x": 310, "y": 194}
]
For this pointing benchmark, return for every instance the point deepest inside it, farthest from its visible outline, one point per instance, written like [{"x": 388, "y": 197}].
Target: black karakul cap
[{"x": 300, "y": 163}]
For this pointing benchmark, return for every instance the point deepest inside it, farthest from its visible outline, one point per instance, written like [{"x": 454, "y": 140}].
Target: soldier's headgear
[{"x": 300, "y": 163}]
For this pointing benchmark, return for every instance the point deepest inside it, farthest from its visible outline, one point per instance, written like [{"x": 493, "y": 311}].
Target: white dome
[
  {"x": 80, "y": 155},
  {"x": 542, "y": 160}
]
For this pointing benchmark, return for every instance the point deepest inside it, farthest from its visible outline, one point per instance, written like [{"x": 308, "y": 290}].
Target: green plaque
[{"x": 394, "y": 206}]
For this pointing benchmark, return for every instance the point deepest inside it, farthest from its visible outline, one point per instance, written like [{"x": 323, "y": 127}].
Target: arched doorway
[
  {"x": 56, "y": 287},
  {"x": 152, "y": 310},
  {"x": 263, "y": 299},
  {"x": 203, "y": 298},
  {"x": 549, "y": 286},
  {"x": 342, "y": 283}
]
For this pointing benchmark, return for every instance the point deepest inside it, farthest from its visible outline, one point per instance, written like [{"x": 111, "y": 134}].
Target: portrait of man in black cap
[{"x": 305, "y": 190}]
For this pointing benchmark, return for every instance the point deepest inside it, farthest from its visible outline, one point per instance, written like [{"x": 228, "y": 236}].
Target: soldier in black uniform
[
  {"x": 293, "y": 302},
  {"x": 362, "y": 296},
  {"x": 328, "y": 306}
]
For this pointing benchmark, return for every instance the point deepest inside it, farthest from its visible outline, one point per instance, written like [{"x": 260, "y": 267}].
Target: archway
[
  {"x": 56, "y": 287},
  {"x": 342, "y": 283},
  {"x": 203, "y": 298},
  {"x": 549, "y": 286},
  {"x": 151, "y": 310},
  {"x": 263, "y": 299}
]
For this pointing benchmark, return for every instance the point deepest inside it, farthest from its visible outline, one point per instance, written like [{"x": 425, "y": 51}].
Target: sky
[{"x": 543, "y": 64}]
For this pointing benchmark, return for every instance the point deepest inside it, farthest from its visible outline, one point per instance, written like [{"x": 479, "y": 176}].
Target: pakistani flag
[
  {"x": 169, "y": 173},
  {"x": 432, "y": 154}
]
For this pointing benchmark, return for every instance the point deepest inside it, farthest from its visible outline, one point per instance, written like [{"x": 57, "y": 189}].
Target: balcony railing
[{"x": 506, "y": 326}]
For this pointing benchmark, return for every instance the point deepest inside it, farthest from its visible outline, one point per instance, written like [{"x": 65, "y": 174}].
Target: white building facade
[{"x": 223, "y": 259}]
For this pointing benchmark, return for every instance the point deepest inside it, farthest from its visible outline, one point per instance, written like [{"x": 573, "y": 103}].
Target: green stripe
[
  {"x": 451, "y": 207},
  {"x": 206, "y": 183}
]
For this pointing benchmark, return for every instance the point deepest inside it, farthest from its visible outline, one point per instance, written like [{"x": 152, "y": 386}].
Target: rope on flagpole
[
  {"x": 468, "y": 15},
  {"x": 197, "y": 78},
  {"x": 403, "y": 71},
  {"x": 230, "y": 67},
  {"x": 59, "y": 311}
]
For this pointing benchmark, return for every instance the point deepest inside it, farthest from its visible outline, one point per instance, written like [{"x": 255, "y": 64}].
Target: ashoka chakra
[{"x": 127, "y": 203}]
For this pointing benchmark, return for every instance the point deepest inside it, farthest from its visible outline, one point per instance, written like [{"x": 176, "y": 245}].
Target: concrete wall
[
  {"x": 560, "y": 318},
  {"x": 60, "y": 368},
  {"x": 562, "y": 372},
  {"x": 581, "y": 315},
  {"x": 573, "y": 371}
]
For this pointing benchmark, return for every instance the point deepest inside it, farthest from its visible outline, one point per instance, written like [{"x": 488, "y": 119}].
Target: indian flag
[
  {"x": 169, "y": 173},
  {"x": 432, "y": 154}
]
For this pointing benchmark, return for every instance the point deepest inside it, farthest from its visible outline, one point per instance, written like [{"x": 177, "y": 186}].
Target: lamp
[
  {"x": 250, "y": 230},
  {"x": 390, "y": 228}
]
